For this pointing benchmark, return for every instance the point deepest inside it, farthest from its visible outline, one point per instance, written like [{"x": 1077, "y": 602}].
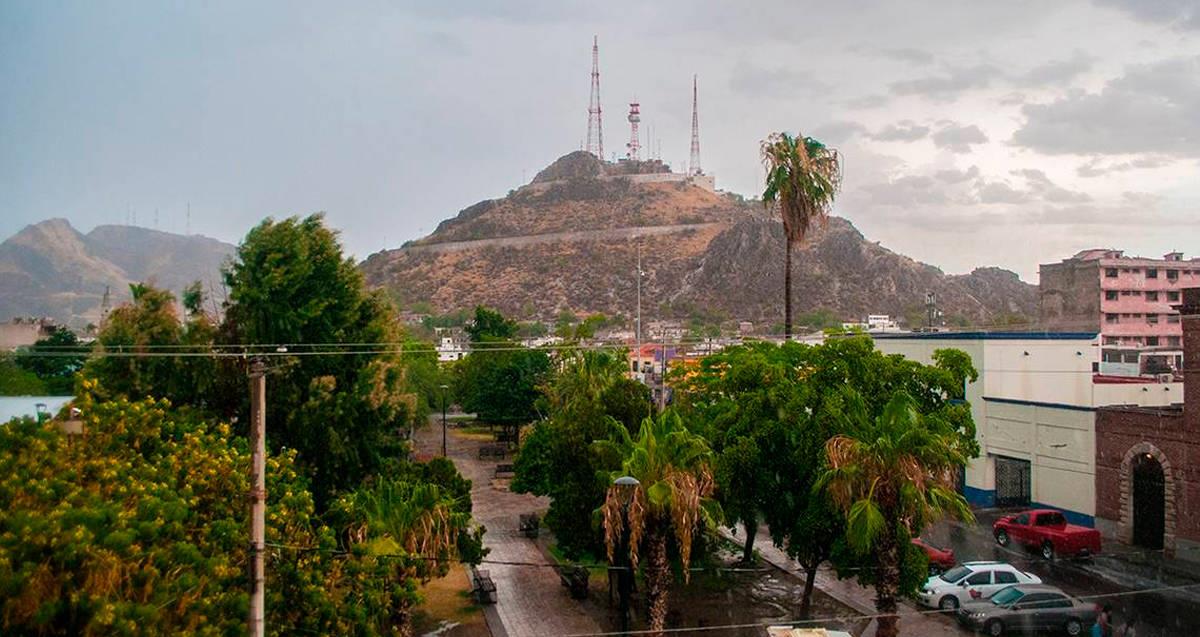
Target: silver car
[{"x": 1028, "y": 608}]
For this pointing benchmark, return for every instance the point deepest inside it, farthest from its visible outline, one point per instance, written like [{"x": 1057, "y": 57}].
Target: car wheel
[
  {"x": 1002, "y": 537},
  {"x": 1074, "y": 627},
  {"x": 948, "y": 603},
  {"x": 1047, "y": 550},
  {"x": 994, "y": 628}
]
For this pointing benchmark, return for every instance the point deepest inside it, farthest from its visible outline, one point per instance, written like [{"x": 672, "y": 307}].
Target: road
[{"x": 1158, "y": 614}]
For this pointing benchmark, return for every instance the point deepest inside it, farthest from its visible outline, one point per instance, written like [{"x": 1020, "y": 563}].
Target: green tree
[
  {"x": 18, "y": 381},
  {"x": 671, "y": 502},
  {"x": 55, "y": 359},
  {"x": 490, "y": 325},
  {"x": 891, "y": 475},
  {"x": 557, "y": 458},
  {"x": 291, "y": 286},
  {"x": 501, "y": 386},
  {"x": 803, "y": 177}
]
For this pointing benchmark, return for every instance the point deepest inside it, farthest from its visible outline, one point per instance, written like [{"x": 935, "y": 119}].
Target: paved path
[
  {"x": 847, "y": 591},
  {"x": 530, "y": 600},
  {"x": 604, "y": 234}
]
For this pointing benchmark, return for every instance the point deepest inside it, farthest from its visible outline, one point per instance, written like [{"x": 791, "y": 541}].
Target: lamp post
[
  {"x": 625, "y": 574},
  {"x": 444, "y": 388}
]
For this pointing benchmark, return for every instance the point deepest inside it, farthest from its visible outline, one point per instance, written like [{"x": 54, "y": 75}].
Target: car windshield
[
  {"x": 955, "y": 574},
  {"x": 1007, "y": 597}
]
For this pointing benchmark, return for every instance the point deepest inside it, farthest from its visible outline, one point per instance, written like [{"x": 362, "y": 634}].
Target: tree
[
  {"x": 803, "y": 177},
  {"x": 55, "y": 359},
  {"x": 891, "y": 475},
  {"x": 671, "y": 502},
  {"x": 501, "y": 386},
  {"x": 490, "y": 325},
  {"x": 557, "y": 458},
  {"x": 291, "y": 286},
  {"x": 17, "y": 381}
]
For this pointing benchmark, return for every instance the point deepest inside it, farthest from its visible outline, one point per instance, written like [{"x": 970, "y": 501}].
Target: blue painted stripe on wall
[
  {"x": 1074, "y": 517},
  {"x": 979, "y": 497}
]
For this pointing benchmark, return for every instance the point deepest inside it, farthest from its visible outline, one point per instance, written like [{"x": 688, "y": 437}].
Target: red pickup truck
[{"x": 1047, "y": 531}]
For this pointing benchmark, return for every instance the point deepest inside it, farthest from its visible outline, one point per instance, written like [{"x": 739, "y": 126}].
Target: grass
[{"x": 448, "y": 601}]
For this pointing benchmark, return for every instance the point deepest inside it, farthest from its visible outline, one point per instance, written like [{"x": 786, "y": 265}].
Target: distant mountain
[
  {"x": 569, "y": 240},
  {"x": 51, "y": 269}
]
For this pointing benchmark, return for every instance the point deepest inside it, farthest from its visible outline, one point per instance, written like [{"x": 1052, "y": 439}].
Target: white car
[{"x": 971, "y": 581}]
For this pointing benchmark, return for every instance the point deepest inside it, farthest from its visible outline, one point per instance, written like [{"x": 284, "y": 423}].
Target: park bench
[
  {"x": 575, "y": 578},
  {"x": 505, "y": 470},
  {"x": 529, "y": 523},
  {"x": 492, "y": 452},
  {"x": 482, "y": 586}
]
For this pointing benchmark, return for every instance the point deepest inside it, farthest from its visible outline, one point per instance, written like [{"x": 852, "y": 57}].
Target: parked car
[
  {"x": 940, "y": 560},
  {"x": 1028, "y": 608},
  {"x": 1047, "y": 531},
  {"x": 971, "y": 581}
]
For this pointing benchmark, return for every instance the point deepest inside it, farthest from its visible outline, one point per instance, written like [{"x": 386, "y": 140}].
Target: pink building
[{"x": 1130, "y": 301}]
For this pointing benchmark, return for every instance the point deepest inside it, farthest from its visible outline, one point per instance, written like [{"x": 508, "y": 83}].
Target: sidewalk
[
  {"x": 847, "y": 591},
  {"x": 530, "y": 601}
]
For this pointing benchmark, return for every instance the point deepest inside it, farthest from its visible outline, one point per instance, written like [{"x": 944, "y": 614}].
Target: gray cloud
[
  {"x": 1057, "y": 72},
  {"x": 776, "y": 82},
  {"x": 957, "y": 176},
  {"x": 1150, "y": 109},
  {"x": 910, "y": 190},
  {"x": 957, "y": 138},
  {"x": 903, "y": 54},
  {"x": 949, "y": 86},
  {"x": 838, "y": 132},
  {"x": 1097, "y": 167},
  {"x": 1181, "y": 14},
  {"x": 867, "y": 101},
  {"x": 1044, "y": 188},
  {"x": 904, "y": 131},
  {"x": 999, "y": 192}
]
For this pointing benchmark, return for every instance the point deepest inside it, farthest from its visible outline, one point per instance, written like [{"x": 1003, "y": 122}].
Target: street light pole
[
  {"x": 444, "y": 388},
  {"x": 625, "y": 574}
]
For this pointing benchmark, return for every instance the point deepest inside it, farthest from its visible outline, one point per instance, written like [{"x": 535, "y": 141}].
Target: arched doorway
[{"x": 1149, "y": 501}]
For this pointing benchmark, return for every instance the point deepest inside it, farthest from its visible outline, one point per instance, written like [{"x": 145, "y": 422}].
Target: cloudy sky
[{"x": 975, "y": 133}]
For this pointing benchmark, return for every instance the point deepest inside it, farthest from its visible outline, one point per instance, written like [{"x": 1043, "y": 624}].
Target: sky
[{"x": 974, "y": 133}]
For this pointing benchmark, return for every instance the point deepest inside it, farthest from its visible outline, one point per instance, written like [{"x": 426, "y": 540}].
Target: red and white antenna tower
[
  {"x": 595, "y": 135},
  {"x": 694, "y": 162},
  {"x": 634, "y": 145}
]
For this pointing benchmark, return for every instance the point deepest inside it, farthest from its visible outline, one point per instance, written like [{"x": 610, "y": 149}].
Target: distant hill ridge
[
  {"x": 569, "y": 241},
  {"x": 51, "y": 269}
]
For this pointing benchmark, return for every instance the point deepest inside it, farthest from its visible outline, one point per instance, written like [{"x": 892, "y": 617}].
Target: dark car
[
  {"x": 1028, "y": 608},
  {"x": 940, "y": 560}
]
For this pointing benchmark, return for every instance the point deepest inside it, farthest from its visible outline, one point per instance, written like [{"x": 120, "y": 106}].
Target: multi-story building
[{"x": 1128, "y": 300}]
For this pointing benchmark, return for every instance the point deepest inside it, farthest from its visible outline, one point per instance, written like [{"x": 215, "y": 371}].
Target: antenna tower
[
  {"x": 694, "y": 162},
  {"x": 595, "y": 135},
  {"x": 635, "y": 116}
]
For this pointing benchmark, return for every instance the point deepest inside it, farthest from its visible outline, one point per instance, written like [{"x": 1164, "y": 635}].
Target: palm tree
[
  {"x": 891, "y": 476},
  {"x": 803, "y": 177},
  {"x": 671, "y": 501},
  {"x": 397, "y": 520}
]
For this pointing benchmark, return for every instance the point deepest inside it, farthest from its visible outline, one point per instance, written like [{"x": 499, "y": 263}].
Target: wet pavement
[{"x": 1133, "y": 592}]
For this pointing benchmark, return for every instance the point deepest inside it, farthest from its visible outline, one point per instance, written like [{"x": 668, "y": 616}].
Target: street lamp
[
  {"x": 625, "y": 574},
  {"x": 444, "y": 388}
]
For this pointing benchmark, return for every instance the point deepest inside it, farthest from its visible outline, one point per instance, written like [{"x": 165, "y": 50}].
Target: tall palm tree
[
  {"x": 803, "y": 178},
  {"x": 891, "y": 476},
  {"x": 671, "y": 501}
]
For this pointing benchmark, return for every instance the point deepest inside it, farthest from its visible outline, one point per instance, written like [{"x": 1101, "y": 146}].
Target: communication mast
[
  {"x": 595, "y": 134},
  {"x": 694, "y": 162},
  {"x": 635, "y": 116}
]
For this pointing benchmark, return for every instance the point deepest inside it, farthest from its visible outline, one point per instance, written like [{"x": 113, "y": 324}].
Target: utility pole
[
  {"x": 258, "y": 495},
  {"x": 930, "y": 309},
  {"x": 444, "y": 388},
  {"x": 639, "y": 310}
]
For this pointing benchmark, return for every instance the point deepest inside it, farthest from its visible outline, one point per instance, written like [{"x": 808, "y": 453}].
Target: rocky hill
[
  {"x": 570, "y": 239},
  {"x": 51, "y": 269}
]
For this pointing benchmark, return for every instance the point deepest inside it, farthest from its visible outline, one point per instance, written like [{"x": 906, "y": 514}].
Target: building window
[
  {"x": 1173, "y": 341},
  {"x": 1110, "y": 273},
  {"x": 1152, "y": 319},
  {"x": 1172, "y": 275},
  {"x": 1151, "y": 273},
  {"x": 1172, "y": 318},
  {"x": 1126, "y": 292},
  {"x": 1111, "y": 318},
  {"x": 1151, "y": 341},
  {"x": 1152, "y": 296},
  {"x": 1173, "y": 296},
  {"x": 1110, "y": 295}
]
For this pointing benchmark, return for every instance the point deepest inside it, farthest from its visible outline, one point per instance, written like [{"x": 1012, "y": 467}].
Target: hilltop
[
  {"x": 51, "y": 269},
  {"x": 569, "y": 240}
]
